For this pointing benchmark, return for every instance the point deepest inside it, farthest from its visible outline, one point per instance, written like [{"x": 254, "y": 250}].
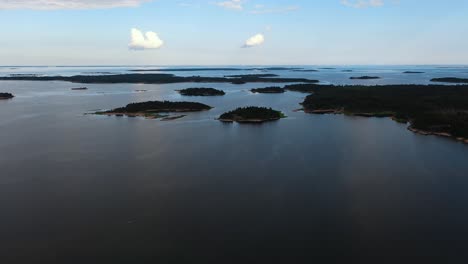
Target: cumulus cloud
[
  {"x": 262, "y": 9},
  {"x": 231, "y": 4},
  {"x": 254, "y": 41},
  {"x": 68, "y": 4},
  {"x": 150, "y": 40},
  {"x": 362, "y": 3}
]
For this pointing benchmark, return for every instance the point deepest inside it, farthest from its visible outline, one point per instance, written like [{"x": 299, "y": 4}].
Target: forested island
[
  {"x": 79, "y": 88},
  {"x": 430, "y": 109},
  {"x": 413, "y": 72},
  {"x": 156, "y": 78},
  {"x": 365, "y": 78},
  {"x": 274, "y": 89},
  {"x": 251, "y": 114},
  {"x": 304, "y": 70},
  {"x": 260, "y": 75},
  {"x": 450, "y": 80},
  {"x": 4, "y": 96},
  {"x": 201, "y": 92},
  {"x": 152, "y": 109}
]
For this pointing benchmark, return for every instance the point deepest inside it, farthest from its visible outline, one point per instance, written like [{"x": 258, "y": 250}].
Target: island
[
  {"x": 365, "y": 78},
  {"x": 157, "y": 78},
  {"x": 79, "y": 89},
  {"x": 450, "y": 80},
  {"x": 413, "y": 72},
  {"x": 327, "y": 68},
  {"x": 5, "y": 96},
  {"x": 153, "y": 109},
  {"x": 273, "y": 89},
  {"x": 251, "y": 114},
  {"x": 261, "y": 75},
  {"x": 429, "y": 109},
  {"x": 201, "y": 92},
  {"x": 347, "y": 70},
  {"x": 305, "y": 70}
]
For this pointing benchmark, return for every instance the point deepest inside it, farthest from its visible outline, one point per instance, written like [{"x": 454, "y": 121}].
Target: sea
[{"x": 81, "y": 188}]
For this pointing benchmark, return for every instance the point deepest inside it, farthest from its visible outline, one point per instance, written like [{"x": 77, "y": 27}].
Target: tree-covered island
[
  {"x": 201, "y": 92},
  {"x": 153, "y": 109},
  {"x": 450, "y": 80},
  {"x": 273, "y": 89},
  {"x": 158, "y": 78},
  {"x": 430, "y": 109},
  {"x": 365, "y": 78},
  {"x": 4, "y": 96},
  {"x": 251, "y": 114}
]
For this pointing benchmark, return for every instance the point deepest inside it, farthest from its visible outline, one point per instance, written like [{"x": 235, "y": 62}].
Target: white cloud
[
  {"x": 150, "y": 40},
  {"x": 256, "y": 40},
  {"x": 362, "y": 3},
  {"x": 68, "y": 4},
  {"x": 231, "y": 4}
]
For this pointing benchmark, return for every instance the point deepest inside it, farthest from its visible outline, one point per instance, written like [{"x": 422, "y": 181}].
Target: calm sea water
[{"x": 78, "y": 188}]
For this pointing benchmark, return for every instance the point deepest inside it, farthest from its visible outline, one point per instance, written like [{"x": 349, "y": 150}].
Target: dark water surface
[{"x": 79, "y": 188}]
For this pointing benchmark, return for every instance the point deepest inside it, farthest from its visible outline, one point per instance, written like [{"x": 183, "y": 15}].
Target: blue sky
[{"x": 216, "y": 32}]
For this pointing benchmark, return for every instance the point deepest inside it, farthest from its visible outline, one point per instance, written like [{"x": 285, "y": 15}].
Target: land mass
[
  {"x": 4, "y": 96},
  {"x": 268, "y": 90},
  {"x": 365, "y": 78},
  {"x": 152, "y": 109},
  {"x": 201, "y": 92},
  {"x": 156, "y": 78},
  {"x": 251, "y": 114},
  {"x": 412, "y": 72},
  {"x": 450, "y": 80},
  {"x": 430, "y": 109},
  {"x": 264, "y": 75}
]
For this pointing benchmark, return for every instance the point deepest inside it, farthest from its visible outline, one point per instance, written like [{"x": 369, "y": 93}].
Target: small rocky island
[
  {"x": 79, "y": 89},
  {"x": 153, "y": 109},
  {"x": 450, "y": 80},
  {"x": 273, "y": 89},
  {"x": 365, "y": 78},
  {"x": 201, "y": 92},
  {"x": 5, "y": 96},
  {"x": 251, "y": 114}
]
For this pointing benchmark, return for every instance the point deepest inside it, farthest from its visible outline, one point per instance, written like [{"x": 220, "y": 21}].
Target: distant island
[
  {"x": 261, "y": 75},
  {"x": 251, "y": 114},
  {"x": 152, "y": 109},
  {"x": 412, "y": 72},
  {"x": 156, "y": 78},
  {"x": 430, "y": 109},
  {"x": 187, "y": 69},
  {"x": 300, "y": 70},
  {"x": 365, "y": 78},
  {"x": 347, "y": 70},
  {"x": 4, "y": 96},
  {"x": 79, "y": 89},
  {"x": 274, "y": 89},
  {"x": 327, "y": 68},
  {"x": 201, "y": 92},
  {"x": 450, "y": 80}
]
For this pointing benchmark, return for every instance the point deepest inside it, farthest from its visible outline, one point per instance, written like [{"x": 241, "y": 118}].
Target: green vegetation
[
  {"x": 251, "y": 114},
  {"x": 450, "y": 80},
  {"x": 152, "y": 109},
  {"x": 268, "y": 90},
  {"x": 6, "y": 96},
  {"x": 156, "y": 78},
  {"x": 430, "y": 109},
  {"x": 365, "y": 78},
  {"x": 201, "y": 92}
]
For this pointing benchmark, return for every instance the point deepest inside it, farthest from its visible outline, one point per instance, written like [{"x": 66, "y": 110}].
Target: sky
[{"x": 233, "y": 32}]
